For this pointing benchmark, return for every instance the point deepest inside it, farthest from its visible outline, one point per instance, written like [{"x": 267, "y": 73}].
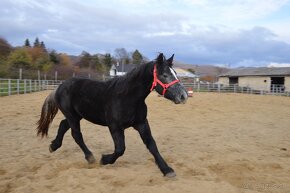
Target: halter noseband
[{"x": 156, "y": 80}]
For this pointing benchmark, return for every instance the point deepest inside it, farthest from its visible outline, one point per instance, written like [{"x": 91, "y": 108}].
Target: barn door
[
  {"x": 234, "y": 80},
  {"x": 277, "y": 84}
]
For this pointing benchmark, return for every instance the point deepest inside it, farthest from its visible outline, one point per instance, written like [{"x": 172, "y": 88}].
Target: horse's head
[{"x": 166, "y": 82}]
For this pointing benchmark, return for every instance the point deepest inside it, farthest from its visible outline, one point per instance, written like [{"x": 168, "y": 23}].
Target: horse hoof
[
  {"x": 170, "y": 175},
  {"x": 91, "y": 159},
  {"x": 50, "y": 149}
]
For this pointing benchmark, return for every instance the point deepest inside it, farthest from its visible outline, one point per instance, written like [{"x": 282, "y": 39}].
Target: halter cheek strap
[{"x": 157, "y": 81}]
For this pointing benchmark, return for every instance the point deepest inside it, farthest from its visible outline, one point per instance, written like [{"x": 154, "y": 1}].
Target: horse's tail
[{"x": 48, "y": 112}]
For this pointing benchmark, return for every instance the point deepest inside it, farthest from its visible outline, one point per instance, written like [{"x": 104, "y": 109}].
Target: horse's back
[{"x": 83, "y": 98}]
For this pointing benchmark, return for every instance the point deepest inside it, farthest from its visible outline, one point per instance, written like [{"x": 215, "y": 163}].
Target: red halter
[{"x": 156, "y": 80}]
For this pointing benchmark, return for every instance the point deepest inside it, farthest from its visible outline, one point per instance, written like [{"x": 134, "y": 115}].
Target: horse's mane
[{"x": 135, "y": 76}]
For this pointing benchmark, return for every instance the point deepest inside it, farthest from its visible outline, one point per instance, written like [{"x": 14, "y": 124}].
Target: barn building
[
  {"x": 121, "y": 69},
  {"x": 264, "y": 79}
]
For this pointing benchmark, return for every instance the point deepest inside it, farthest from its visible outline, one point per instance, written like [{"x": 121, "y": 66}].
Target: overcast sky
[{"x": 236, "y": 33}]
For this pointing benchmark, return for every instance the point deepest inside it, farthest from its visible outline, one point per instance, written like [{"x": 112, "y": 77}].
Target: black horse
[{"x": 118, "y": 103}]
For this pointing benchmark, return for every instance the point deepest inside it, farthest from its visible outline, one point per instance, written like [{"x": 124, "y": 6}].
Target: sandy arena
[{"x": 216, "y": 143}]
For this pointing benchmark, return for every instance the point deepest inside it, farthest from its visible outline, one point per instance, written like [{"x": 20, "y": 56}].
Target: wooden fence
[
  {"x": 214, "y": 87},
  {"x": 17, "y": 86}
]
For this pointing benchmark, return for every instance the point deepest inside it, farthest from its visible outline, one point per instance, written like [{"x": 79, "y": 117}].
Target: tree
[
  {"x": 27, "y": 43},
  {"x": 95, "y": 63},
  {"x": 64, "y": 59},
  {"x": 53, "y": 56},
  {"x": 36, "y": 43},
  {"x": 192, "y": 70},
  {"x": 20, "y": 58},
  {"x": 122, "y": 56},
  {"x": 35, "y": 53},
  {"x": 137, "y": 57},
  {"x": 85, "y": 60},
  {"x": 42, "y": 45},
  {"x": 108, "y": 60},
  {"x": 5, "y": 49},
  {"x": 43, "y": 63}
]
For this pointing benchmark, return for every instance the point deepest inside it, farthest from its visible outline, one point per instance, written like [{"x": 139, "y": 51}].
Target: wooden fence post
[
  {"x": 30, "y": 87},
  {"x": 24, "y": 86},
  {"x": 9, "y": 87},
  {"x": 17, "y": 86}
]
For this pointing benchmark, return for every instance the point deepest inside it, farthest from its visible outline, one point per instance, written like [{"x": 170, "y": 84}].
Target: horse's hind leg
[
  {"x": 119, "y": 142},
  {"x": 57, "y": 142},
  {"x": 78, "y": 137}
]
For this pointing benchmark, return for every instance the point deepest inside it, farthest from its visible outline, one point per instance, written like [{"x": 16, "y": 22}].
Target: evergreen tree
[
  {"x": 108, "y": 60},
  {"x": 53, "y": 56},
  {"x": 95, "y": 62},
  {"x": 42, "y": 45},
  {"x": 85, "y": 60},
  {"x": 27, "y": 43},
  {"x": 36, "y": 43},
  {"x": 137, "y": 57}
]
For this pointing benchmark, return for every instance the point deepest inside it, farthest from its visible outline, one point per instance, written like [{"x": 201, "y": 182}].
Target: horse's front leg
[
  {"x": 145, "y": 133},
  {"x": 119, "y": 142}
]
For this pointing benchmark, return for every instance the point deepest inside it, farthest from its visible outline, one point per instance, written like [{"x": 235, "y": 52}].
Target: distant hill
[{"x": 202, "y": 69}]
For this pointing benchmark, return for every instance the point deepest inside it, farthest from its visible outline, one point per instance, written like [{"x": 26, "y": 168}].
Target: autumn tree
[
  {"x": 35, "y": 53},
  {"x": 64, "y": 59},
  {"x": 5, "y": 49},
  {"x": 192, "y": 70},
  {"x": 20, "y": 58},
  {"x": 137, "y": 57}
]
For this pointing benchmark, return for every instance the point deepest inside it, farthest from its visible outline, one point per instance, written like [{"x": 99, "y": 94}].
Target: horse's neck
[{"x": 141, "y": 80}]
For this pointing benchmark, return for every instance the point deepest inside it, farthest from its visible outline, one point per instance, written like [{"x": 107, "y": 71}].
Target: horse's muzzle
[{"x": 181, "y": 98}]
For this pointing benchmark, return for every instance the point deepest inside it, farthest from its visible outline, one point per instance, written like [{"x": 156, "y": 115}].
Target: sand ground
[{"x": 217, "y": 143}]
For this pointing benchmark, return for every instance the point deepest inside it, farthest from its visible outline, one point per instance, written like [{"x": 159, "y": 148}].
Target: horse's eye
[{"x": 165, "y": 75}]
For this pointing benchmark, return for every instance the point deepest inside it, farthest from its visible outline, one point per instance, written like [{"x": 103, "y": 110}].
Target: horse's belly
[{"x": 94, "y": 115}]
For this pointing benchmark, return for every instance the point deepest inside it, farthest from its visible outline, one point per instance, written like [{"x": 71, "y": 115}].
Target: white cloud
[
  {"x": 273, "y": 64},
  {"x": 198, "y": 31}
]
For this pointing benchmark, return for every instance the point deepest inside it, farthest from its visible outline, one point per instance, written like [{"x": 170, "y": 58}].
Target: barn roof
[
  {"x": 184, "y": 73},
  {"x": 262, "y": 71}
]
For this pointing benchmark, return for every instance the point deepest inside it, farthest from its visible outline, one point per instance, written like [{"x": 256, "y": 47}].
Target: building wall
[
  {"x": 224, "y": 80},
  {"x": 287, "y": 83},
  {"x": 256, "y": 82}
]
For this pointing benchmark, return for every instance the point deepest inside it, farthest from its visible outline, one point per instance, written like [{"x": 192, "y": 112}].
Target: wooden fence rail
[
  {"x": 16, "y": 86},
  {"x": 213, "y": 87}
]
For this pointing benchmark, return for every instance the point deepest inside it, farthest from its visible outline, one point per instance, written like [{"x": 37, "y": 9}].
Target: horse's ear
[
  {"x": 170, "y": 61},
  {"x": 160, "y": 59}
]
